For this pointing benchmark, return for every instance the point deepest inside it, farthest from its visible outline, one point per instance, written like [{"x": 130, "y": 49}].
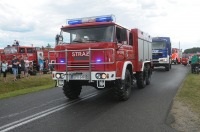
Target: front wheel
[
  {"x": 122, "y": 88},
  {"x": 72, "y": 90},
  {"x": 167, "y": 67}
]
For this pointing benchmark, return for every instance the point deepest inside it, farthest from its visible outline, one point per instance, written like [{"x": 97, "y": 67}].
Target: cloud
[
  {"x": 14, "y": 20},
  {"x": 38, "y": 22}
]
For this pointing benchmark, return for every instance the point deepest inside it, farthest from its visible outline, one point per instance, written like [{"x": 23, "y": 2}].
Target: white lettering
[{"x": 84, "y": 53}]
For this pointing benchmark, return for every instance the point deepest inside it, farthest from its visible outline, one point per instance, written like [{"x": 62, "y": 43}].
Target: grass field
[
  {"x": 190, "y": 92},
  {"x": 24, "y": 85}
]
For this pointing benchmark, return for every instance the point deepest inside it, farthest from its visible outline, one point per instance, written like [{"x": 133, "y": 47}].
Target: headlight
[
  {"x": 57, "y": 75},
  {"x": 98, "y": 76},
  {"x": 163, "y": 60},
  {"x": 62, "y": 76},
  {"x": 101, "y": 75}
]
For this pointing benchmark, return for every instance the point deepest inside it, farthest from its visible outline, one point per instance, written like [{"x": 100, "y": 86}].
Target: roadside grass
[
  {"x": 190, "y": 92},
  {"x": 24, "y": 85}
]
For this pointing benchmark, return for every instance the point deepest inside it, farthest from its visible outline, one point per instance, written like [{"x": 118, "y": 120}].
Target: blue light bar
[
  {"x": 74, "y": 22},
  {"x": 105, "y": 18}
]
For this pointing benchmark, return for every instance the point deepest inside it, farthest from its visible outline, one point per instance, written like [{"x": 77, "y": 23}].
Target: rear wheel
[
  {"x": 72, "y": 90},
  {"x": 148, "y": 75},
  {"x": 141, "y": 79},
  {"x": 123, "y": 87}
]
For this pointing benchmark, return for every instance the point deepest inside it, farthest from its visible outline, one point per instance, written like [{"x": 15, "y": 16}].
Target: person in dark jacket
[
  {"x": 15, "y": 64},
  {"x": 22, "y": 66}
]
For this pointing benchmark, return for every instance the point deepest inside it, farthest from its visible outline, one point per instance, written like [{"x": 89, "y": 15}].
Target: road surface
[{"x": 95, "y": 111}]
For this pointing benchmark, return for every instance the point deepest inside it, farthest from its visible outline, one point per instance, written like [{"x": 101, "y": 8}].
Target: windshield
[
  {"x": 158, "y": 45},
  {"x": 88, "y": 34},
  {"x": 185, "y": 56},
  {"x": 10, "y": 50}
]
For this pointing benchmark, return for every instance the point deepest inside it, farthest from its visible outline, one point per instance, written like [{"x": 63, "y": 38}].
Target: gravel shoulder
[{"x": 183, "y": 118}]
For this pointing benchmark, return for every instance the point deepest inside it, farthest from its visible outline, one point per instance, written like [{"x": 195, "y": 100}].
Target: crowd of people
[{"x": 22, "y": 67}]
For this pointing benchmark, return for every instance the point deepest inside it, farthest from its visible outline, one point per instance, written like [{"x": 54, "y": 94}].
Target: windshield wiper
[
  {"x": 77, "y": 41},
  {"x": 93, "y": 40}
]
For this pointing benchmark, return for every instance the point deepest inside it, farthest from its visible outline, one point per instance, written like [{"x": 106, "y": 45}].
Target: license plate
[{"x": 77, "y": 77}]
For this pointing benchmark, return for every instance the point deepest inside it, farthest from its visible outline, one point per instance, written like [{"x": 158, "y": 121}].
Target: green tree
[{"x": 192, "y": 50}]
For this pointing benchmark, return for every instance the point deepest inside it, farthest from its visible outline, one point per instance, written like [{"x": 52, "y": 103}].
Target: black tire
[
  {"x": 141, "y": 79},
  {"x": 148, "y": 75},
  {"x": 122, "y": 88},
  {"x": 167, "y": 67},
  {"x": 72, "y": 90}
]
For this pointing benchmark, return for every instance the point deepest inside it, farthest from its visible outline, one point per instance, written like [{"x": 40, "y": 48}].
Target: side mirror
[{"x": 58, "y": 39}]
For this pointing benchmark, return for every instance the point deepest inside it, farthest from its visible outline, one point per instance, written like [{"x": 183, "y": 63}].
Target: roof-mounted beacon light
[{"x": 104, "y": 18}]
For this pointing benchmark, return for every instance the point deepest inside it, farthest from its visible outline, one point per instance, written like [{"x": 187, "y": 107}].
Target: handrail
[
  {"x": 92, "y": 63},
  {"x": 86, "y": 66}
]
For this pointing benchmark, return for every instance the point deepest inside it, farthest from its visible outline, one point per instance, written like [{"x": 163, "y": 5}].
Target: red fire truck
[
  {"x": 176, "y": 55},
  {"x": 31, "y": 52},
  {"x": 185, "y": 59},
  {"x": 98, "y": 52}
]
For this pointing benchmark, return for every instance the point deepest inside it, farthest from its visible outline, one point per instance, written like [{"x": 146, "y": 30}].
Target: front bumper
[{"x": 60, "y": 77}]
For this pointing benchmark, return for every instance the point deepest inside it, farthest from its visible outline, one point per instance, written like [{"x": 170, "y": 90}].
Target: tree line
[{"x": 192, "y": 50}]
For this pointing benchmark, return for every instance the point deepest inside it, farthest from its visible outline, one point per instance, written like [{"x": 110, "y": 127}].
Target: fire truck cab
[{"x": 98, "y": 52}]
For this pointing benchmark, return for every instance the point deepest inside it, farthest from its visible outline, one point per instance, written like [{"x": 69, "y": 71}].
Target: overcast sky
[{"x": 37, "y": 22}]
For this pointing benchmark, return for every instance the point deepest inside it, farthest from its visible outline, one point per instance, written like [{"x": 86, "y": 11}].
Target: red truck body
[
  {"x": 101, "y": 63},
  {"x": 26, "y": 51}
]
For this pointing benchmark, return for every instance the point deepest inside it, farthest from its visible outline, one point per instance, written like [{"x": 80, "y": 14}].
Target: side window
[
  {"x": 118, "y": 32},
  {"x": 29, "y": 50},
  {"x": 121, "y": 35},
  {"x": 130, "y": 39},
  {"x": 66, "y": 37},
  {"x": 22, "y": 50}
]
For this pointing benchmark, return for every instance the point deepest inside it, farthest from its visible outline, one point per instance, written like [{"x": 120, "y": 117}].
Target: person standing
[
  {"x": 41, "y": 63},
  {"x": 15, "y": 64},
  {"x": 26, "y": 61},
  {"x": 4, "y": 70},
  {"x": 22, "y": 66}
]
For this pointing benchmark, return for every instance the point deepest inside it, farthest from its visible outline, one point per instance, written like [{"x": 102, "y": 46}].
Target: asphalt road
[{"x": 95, "y": 111}]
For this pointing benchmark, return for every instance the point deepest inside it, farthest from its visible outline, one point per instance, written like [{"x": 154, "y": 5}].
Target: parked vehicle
[
  {"x": 176, "y": 56},
  {"x": 161, "y": 48},
  {"x": 32, "y": 53},
  {"x": 185, "y": 59}
]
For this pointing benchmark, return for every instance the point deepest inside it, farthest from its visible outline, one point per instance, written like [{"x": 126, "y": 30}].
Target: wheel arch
[{"x": 127, "y": 65}]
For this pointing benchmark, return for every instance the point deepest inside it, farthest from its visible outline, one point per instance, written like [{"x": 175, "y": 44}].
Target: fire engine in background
[
  {"x": 176, "y": 55},
  {"x": 31, "y": 52},
  {"x": 185, "y": 59},
  {"x": 161, "y": 48},
  {"x": 98, "y": 52},
  {"x": 1, "y": 52}
]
